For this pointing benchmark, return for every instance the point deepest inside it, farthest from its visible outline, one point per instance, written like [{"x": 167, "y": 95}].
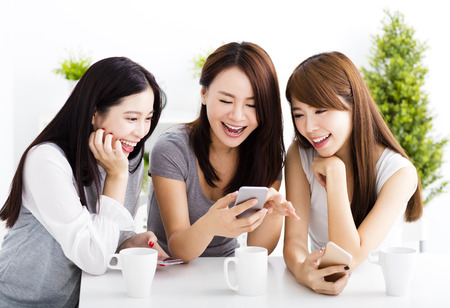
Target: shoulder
[
  {"x": 297, "y": 153},
  {"x": 297, "y": 158},
  {"x": 172, "y": 155},
  {"x": 293, "y": 152},
  {"x": 390, "y": 163},
  {"x": 176, "y": 137},
  {"x": 46, "y": 152},
  {"x": 45, "y": 157}
]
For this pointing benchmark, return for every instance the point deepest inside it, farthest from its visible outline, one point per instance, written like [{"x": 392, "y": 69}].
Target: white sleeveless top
[{"x": 389, "y": 163}]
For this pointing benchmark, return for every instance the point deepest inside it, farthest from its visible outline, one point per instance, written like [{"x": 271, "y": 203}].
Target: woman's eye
[
  {"x": 251, "y": 105},
  {"x": 132, "y": 119},
  {"x": 148, "y": 119},
  {"x": 298, "y": 115},
  {"x": 321, "y": 111},
  {"x": 224, "y": 101}
]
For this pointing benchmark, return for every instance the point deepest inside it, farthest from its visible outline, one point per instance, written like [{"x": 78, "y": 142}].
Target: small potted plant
[{"x": 73, "y": 67}]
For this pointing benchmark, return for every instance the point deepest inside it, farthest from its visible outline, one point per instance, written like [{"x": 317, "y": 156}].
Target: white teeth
[
  {"x": 317, "y": 140},
  {"x": 131, "y": 144},
  {"x": 234, "y": 129}
]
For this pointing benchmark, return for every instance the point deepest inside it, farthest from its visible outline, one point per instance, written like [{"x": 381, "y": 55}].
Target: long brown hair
[
  {"x": 261, "y": 155},
  {"x": 319, "y": 81},
  {"x": 104, "y": 85}
]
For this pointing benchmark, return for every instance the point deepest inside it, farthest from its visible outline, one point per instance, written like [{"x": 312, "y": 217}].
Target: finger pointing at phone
[{"x": 276, "y": 203}]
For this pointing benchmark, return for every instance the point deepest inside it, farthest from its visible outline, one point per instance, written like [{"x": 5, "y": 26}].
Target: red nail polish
[{"x": 151, "y": 244}]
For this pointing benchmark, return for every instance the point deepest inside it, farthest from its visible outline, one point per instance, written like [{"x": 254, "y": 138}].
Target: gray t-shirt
[{"x": 173, "y": 157}]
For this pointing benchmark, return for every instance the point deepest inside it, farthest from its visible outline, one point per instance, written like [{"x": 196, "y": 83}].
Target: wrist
[
  {"x": 204, "y": 227},
  {"x": 117, "y": 176}
]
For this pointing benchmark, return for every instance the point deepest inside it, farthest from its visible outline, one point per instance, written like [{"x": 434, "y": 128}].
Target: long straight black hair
[
  {"x": 104, "y": 85},
  {"x": 261, "y": 155}
]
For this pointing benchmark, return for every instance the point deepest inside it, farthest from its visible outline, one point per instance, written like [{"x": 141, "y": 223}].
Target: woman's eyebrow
[{"x": 232, "y": 96}]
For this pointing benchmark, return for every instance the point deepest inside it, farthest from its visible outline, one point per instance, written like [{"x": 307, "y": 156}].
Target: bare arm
[
  {"x": 188, "y": 241},
  {"x": 374, "y": 228},
  {"x": 376, "y": 225},
  {"x": 302, "y": 264},
  {"x": 295, "y": 248}
]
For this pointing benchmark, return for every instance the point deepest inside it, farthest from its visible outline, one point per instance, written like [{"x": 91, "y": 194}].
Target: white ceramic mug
[
  {"x": 251, "y": 271},
  {"x": 398, "y": 264},
  {"x": 138, "y": 267}
]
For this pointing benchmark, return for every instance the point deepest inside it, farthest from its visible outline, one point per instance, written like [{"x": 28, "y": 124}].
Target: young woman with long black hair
[{"x": 77, "y": 187}]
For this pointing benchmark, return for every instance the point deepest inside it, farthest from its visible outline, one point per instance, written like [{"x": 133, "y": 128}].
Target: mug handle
[
  {"x": 118, "y": 266},
  {"x": 374, "y": 257},
  {"x": 225, "y": 270}
]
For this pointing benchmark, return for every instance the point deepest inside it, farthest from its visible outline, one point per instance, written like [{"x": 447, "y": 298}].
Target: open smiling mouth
[
  {"x": 235, "y": 130},
  {"x": 321, "y": 140},
  {"x": 128, "y": 146}
]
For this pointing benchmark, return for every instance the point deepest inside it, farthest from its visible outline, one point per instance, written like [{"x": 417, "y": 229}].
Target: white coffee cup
[
  {"x": 398, "y": 265},
  {"x": 251, "y": 271},
  {"x": 138, "y": 267}
]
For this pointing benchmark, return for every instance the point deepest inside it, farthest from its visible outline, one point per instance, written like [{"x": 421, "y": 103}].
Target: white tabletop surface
[{"x": 201, "y": 284}]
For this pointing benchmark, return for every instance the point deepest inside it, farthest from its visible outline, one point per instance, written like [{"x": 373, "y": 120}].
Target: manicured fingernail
[
  {"x": 346, "y": 268},
  {"x": 322, "y": 249},
  {"x": 151, "y": 244}
]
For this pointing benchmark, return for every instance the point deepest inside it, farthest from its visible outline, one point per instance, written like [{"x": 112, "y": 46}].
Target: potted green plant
[
  {"x": 395, "y": 78},
  {"x": 73, "y": 67}
]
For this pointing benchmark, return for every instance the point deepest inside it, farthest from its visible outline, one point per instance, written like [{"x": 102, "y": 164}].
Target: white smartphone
[
  {"x": 335, "y": 255},
  {"x": 252, "y": 192}
]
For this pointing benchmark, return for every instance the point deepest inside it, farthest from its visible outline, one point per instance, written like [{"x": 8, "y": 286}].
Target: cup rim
[
  {"x": 398, "y": 250},
  {"x": 251, "y": 249},
  {"x": 138, "y": 251}
]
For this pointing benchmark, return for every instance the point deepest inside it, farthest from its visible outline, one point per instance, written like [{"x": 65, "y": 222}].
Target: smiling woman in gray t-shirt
[{"x": 236, "y": 141}]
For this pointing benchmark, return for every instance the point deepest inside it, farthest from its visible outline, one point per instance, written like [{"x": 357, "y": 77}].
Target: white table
[{"x": 201, "y": 284}]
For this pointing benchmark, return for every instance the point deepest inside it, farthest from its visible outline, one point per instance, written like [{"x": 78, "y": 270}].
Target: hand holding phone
[
  {"x": 252, "y": 192},
  {"x": 335, "y": 255}
]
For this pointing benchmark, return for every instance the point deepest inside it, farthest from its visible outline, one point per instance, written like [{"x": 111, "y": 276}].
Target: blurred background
[{"x": 165, "y": 37}]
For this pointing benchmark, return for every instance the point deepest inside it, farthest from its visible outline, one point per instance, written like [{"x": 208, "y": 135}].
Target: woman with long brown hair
[
  {"x": 346, "y": 174},
  {"x": 236, "y": 141},
  {"x": 77, "y": 186}
]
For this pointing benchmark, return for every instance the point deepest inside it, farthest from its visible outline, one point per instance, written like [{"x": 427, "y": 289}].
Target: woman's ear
[
  {"x": 203, "y": 94},
  {"x": 93, "y": 117}
]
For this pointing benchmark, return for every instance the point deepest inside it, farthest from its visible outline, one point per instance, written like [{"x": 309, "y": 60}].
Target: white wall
[
  {"x": 6, "y": 103},
  {"x": 165, "y": 35}
]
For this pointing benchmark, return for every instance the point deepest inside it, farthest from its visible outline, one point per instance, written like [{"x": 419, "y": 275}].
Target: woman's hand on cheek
[
  {"x": 276, "y": 203},
  {"x": 108, "y": 153}
]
